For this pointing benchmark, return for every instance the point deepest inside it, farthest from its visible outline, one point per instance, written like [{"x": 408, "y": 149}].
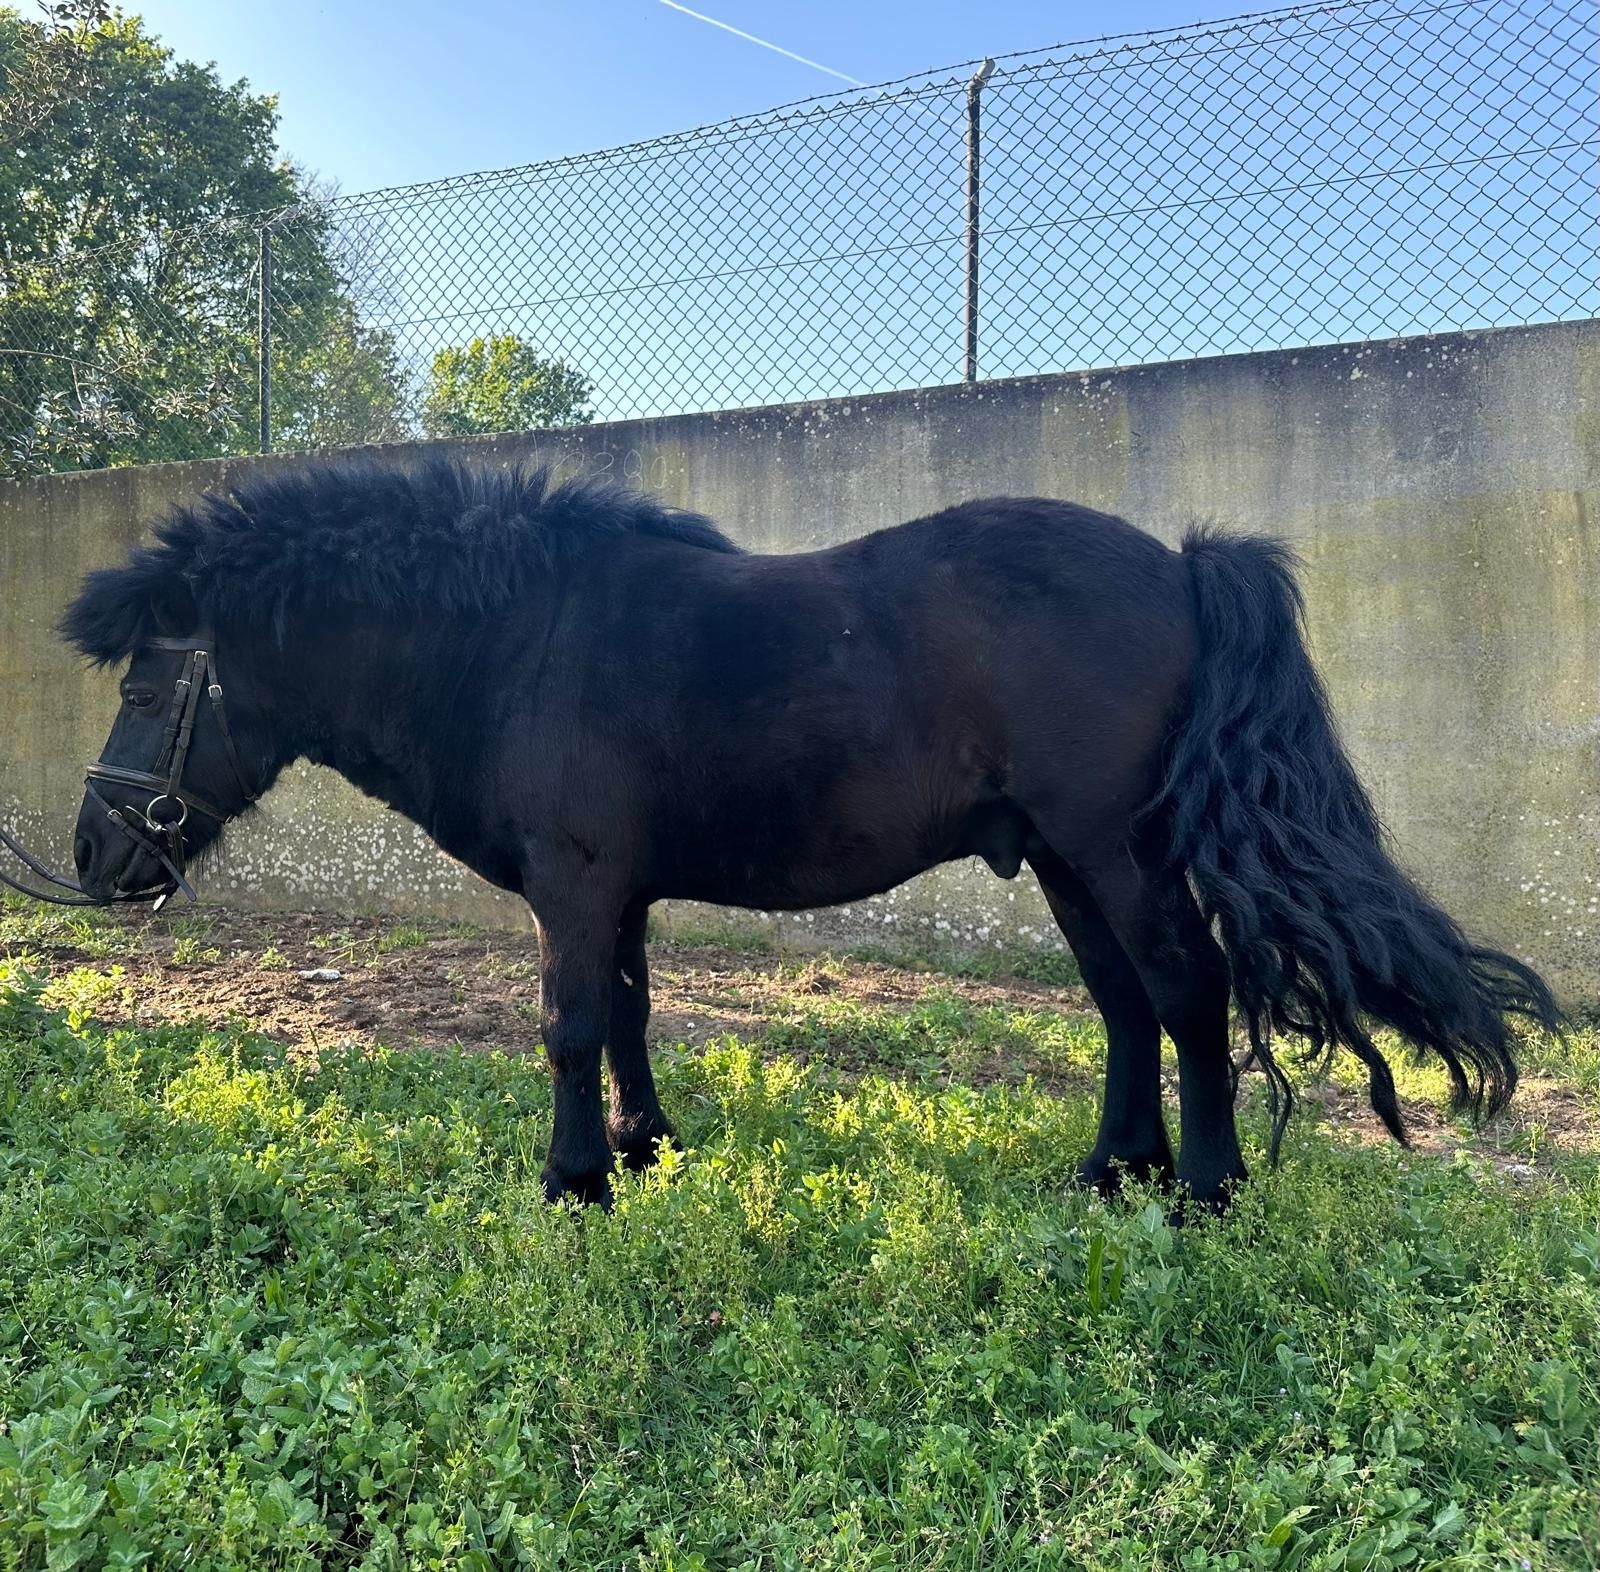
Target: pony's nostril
[{"x": 82, "y": 851}]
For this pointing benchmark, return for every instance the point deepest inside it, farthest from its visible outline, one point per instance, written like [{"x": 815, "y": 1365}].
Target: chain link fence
[{"x": 1311, "y": 175}]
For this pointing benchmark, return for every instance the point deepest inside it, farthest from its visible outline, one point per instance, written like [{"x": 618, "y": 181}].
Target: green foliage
[
  {"x": 403, "y": 936},
  {"x": 189, "y": 951},
  {"x": 1052, "y": 964},
  {"x": 500, "y": 383},
  {"x": 261, "y": 1312},
  {"x": 739, "y": 937},
  {"x": 132, "y": 189},
  {"x": 45, "y": 67},
  {"x": 25, "y": 923},
  {"x": 337, "y": 381}
]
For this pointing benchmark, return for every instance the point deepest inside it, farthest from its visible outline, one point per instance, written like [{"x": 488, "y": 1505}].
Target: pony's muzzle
[
  {"x": 94, "y": 859},
  {"x": 108, "y": 863}
]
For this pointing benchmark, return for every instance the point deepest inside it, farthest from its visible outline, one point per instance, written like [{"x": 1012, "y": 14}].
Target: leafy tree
[
  {"x": 500, "y": 383},
  {"x": 44, "y": 69},
  {"x": 337, "y": 381},
  {"x": 132, "y": 191}
]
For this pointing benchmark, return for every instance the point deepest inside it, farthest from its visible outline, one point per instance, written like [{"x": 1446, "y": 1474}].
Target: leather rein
[{"x": 159, "y": 837}]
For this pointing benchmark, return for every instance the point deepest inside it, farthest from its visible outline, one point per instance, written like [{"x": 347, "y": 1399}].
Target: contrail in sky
[{"x": 751, "y": 38}]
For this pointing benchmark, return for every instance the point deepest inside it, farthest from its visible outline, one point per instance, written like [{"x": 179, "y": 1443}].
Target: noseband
[{"x": 160, "y": 838}]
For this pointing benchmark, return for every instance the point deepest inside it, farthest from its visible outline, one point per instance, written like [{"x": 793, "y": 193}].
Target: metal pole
[
  {"x": 974, "y": 98},
  {"x": 264, "y": 343}
]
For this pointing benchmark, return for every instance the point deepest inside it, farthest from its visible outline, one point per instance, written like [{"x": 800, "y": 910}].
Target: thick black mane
[{"x": 437, "y": 537}]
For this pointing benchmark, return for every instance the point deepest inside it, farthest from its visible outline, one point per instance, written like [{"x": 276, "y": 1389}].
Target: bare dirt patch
[{"x": 408, "y": 985}]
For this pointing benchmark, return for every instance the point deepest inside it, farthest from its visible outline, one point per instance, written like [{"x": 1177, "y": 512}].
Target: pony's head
[{"x": 171, "y": 773}]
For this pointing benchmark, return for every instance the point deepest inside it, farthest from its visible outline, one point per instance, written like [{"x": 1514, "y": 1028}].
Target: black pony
[{"x": 598, "y": 702}]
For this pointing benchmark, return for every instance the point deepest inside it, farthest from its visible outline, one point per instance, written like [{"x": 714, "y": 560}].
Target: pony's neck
[{"x": 387, "y": 704}]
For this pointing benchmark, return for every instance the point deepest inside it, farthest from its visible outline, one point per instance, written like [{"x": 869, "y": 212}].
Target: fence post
[
  {"x": 264, "y": 343},
  {"x": 974, "y": 99}
]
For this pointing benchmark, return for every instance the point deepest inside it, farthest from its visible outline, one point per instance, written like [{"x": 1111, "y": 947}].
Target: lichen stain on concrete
[{"x": 318, "y": 839}]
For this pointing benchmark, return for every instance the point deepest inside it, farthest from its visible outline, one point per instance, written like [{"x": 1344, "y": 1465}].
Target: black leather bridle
[{"x": 159, "y": 837}]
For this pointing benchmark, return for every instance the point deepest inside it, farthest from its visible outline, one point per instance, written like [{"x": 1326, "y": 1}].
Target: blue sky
[
  {"x": 1347, "y": 174},
  {"x": 385, "y": 92}
]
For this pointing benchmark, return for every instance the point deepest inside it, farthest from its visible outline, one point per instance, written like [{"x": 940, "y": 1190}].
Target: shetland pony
[{"x": 598, "y": 702}]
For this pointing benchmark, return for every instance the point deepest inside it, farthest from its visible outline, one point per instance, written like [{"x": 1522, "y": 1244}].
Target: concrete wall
[{"x": 1445, "y": 493}]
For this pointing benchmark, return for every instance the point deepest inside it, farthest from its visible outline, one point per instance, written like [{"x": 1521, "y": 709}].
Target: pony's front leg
[{"x": 575, "y": 964}]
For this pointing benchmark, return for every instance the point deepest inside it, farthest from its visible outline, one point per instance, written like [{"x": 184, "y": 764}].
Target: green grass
[
  {"x": 258, "y": 1314},
  {"x": 402, "y": 936},
  {"x": 738, "y": 935},
  {"x": 351, "y": 949},
  {"x": 187, "y": 950},
  {"x": 941, "y": 1036},
  {"x": 25, "y": 923},
  {"x": 1051, "y": 964}
]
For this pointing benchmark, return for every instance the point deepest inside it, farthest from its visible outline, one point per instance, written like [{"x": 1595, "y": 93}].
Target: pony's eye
[{"x": 139, "y": 698}]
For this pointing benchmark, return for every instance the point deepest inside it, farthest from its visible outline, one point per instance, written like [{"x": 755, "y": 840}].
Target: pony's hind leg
[
  {"x": 1132, "y": 1137},
  {"x": 637, "y": 1122},
  {"x": 1153, "y": 915}
]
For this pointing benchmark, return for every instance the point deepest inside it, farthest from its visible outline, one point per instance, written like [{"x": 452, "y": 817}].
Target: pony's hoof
[
  {"x": 1206, "y": 1196},
  {"x": 1108, "y": 1174},
  {"x": 638, "y": 1145},
  {"x": 588, "y": 1189}
]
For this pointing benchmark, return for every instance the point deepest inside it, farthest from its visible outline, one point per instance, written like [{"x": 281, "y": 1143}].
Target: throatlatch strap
[{"x": 215, "y": 691}]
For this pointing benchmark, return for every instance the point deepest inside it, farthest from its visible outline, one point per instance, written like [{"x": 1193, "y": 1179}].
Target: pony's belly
[{"x": 802, "y": 874}]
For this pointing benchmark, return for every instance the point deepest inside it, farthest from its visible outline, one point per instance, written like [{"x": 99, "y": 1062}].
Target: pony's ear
[
  {"x": 119, "y": 609},
  {"x": 173, "y": 609}
]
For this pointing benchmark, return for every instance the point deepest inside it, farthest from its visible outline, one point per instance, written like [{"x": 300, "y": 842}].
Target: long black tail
[{"x": 1323, "y": 933}]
